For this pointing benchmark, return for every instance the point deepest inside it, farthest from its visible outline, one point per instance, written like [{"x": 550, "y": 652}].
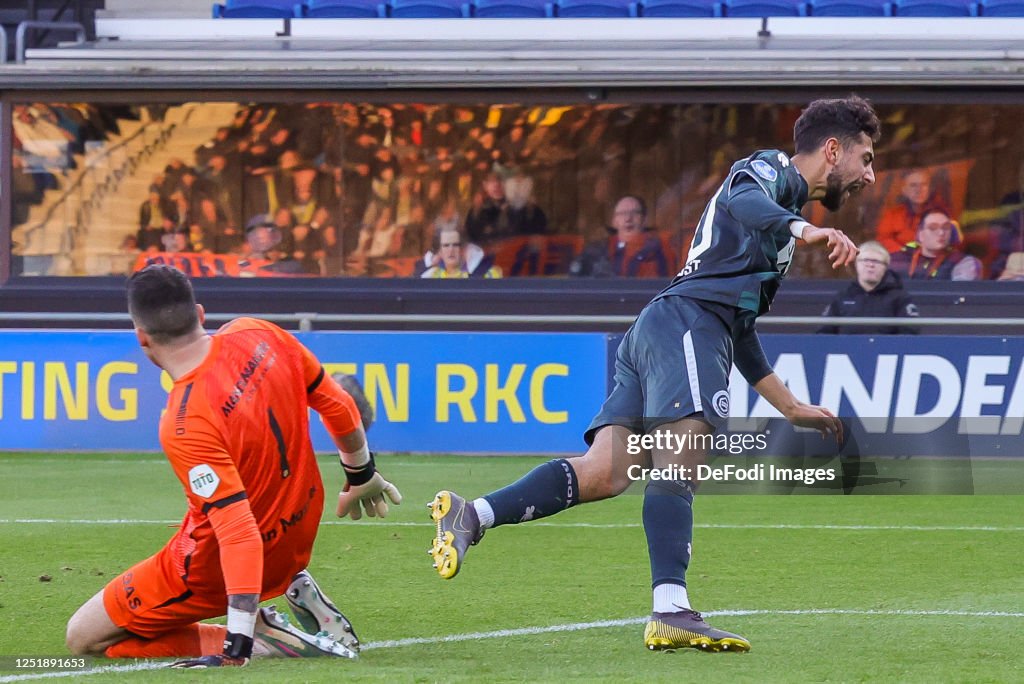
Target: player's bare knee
[
  {"x": 600, "y": 477},
  {"x": 77, "y": 639}
]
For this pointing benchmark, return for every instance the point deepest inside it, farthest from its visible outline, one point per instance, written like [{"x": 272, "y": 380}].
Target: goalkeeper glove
[{"x": 364, "y": 486}]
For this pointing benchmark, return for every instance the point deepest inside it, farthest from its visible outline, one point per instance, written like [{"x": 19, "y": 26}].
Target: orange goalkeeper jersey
[{"x": 237, "y": 427}]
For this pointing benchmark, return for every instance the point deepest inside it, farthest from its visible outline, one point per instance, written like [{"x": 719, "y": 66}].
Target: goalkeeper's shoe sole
[
  {"x": 276, "y": 637},
  {"x": 458, "y": 528},
  {"x": 687, "y": 629},
  {"x": 315, "y": 612}
]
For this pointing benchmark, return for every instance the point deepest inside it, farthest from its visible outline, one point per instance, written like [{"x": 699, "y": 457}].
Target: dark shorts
[{"x": 674, "y": 362}]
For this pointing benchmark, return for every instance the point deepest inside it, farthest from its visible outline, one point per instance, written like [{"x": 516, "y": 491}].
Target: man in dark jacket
[
  {"x": 631, "y": 250},
  {"x": 877, "y": 292}
]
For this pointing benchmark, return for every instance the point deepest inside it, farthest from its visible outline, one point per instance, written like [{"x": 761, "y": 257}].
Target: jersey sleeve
[
  {"x": 772, "y": 171},
  {"x": 748, "y": 355},
  {"x": 761, "y": 192},
  {"x": 199, "y": 457},
  {"x": 338, "y": 411}
]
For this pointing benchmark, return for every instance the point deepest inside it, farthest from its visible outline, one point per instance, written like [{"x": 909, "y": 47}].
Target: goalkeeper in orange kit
[{"x": 236, "y": 432}]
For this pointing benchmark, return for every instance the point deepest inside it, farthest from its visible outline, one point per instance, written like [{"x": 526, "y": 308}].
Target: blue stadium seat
[
  {"x": 428, "y": 9},
  {"x": 849, "y": 8},
  {"x": 765, "y": 8},
  {"x": 678, "y": 8},
  {"x": 341, "y": 9},
  {"x": 934, "y": 8},
  {"x": 1001, "y": 8},
  {"x": 594, "y": 8},
  {"x": 504, "y": 9},
  {"x": 255, "y": 9}
]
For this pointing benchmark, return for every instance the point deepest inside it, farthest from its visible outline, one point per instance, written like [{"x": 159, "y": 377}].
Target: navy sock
[
  {"x": 545, "y": 490},
  {"x": 668, "y": 522}
]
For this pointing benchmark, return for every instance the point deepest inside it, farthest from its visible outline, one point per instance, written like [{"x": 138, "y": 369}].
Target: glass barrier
[{"x": 473, "y": 190}]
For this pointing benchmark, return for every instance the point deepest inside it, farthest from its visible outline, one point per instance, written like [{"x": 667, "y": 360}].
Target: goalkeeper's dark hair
[
  {"x": 844, "y": 119},
  {"x": 161, "y": 303}
]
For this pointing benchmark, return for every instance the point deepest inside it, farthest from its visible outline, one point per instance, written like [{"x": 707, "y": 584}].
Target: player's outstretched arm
[
  {"x": 841, "y": 250},
  {"x": 365, "y": 488},
  {"x": 797, "y": 412}
]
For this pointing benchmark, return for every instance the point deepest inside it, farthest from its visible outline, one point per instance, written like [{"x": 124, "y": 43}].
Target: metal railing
[
  {"x": 26, "y": 26},
  {"x": 104, "y": 170},
  {"x": 308, "y": 320}
]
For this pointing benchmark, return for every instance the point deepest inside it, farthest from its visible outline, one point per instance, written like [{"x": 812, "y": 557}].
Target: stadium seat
[
  {"x": 764, "y": 8},
  {"x": 428, "y": 9},
  {"x": 255, "y": 9},
  {"x": 594, "y": 8},
  {"x": 849, "y": 8},
  {"x": 1001, "y": 8},
  {"x": 678, "y": 8},
  {"x": 504, "y": 9},
  {"x": 341, "y": 9},
  {"x": 934, "y": 8}
]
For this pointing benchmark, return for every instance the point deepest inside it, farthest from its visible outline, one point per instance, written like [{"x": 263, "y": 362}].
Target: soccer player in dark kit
[{"x": 672, "y": 367}]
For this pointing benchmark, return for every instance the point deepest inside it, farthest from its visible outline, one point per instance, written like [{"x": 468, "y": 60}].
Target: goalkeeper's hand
[
  {"x": 237, "y": 652},
  {"x": 366, "y": 488}
]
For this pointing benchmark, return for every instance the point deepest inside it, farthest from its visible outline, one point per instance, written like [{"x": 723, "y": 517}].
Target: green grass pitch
[{"x": 827, "y": 588}]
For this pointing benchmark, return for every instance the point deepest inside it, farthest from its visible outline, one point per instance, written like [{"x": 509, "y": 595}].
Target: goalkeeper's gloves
[
  {"x": 237, "y": 653},
  {"x": 365, "y": 487}
]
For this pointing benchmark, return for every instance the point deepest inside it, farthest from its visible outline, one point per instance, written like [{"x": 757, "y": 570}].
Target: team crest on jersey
[
  {"x": 203, "y": 481},
  {"x": 721, "y": 403},
  {"x": 764, "y": 170}
]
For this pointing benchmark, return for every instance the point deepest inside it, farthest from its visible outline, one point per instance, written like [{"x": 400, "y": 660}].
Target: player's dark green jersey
[{"x": 743, "y": 246}]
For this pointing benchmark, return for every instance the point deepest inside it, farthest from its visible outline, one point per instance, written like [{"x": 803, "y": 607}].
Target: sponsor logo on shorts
[
  {"x": 203, "y": 481},
  {"x": 764, "y": 170},
  {"x": 721, "y": 403}
]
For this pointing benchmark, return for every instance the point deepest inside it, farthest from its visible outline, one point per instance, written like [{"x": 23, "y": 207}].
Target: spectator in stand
[
  {"x": 450, "y": 260},
  {"x": 155, "y": 218},
  {"x": 632, "y": 249},
  {"x": 176, "y": 241},
  {"x": 218, "y": 234},
  {"x": 522, "y": 216},
  {"x": 305, "y": 244},
  {"x": 489, "y": 205},
  {"x": 899, "y": 223},
  {"x": 936, "y": 254},
  {"x": 876, "y": 292}
]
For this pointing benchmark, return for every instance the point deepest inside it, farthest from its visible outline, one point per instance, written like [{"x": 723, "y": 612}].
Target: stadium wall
[{"x": 527, "y": 392}]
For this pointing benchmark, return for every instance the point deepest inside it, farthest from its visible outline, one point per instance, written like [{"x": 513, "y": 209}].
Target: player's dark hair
[
  {"x": 161, "y": 303},
  {"x": 844, "y": 119}
]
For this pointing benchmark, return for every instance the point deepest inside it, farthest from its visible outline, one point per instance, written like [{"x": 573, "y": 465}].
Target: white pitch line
[
  {"x": 530, "y": 631},
  {"x": 583, "y": 525},
  {"x": 105, "y": 669}
]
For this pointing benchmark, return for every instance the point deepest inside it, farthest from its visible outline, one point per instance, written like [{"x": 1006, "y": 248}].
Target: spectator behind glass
[
  {"x": 898, "y": 225},
  {"x": 488, "y": 206},
  {"x": 451, "y": 261},
  {"x": 522, "y": 216},
  {"x": 632, "y": 250},
  {"x": 155, "y": 219},
  {"x": 936, "y": 254},
  {"x": 877, "y": 292}
]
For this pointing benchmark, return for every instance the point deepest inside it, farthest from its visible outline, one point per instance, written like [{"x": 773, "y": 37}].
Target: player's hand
[
  {"x": 817, "y": 418},
  {"x": 202, "y": 662},
  {"x": 370, "y": 496},
  {"x": 841, "y": 250}
]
